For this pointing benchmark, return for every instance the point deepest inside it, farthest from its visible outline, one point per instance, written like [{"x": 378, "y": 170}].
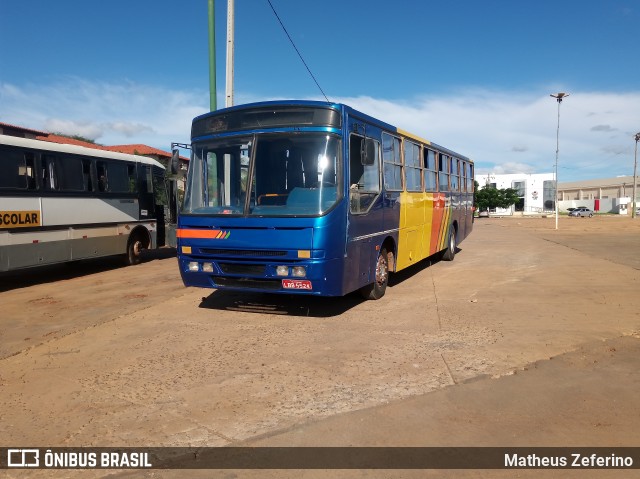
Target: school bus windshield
[{"x": 286, "y": 175}]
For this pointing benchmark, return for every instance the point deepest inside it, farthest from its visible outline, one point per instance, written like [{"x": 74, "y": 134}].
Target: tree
[{"x": 489, "y": 197}]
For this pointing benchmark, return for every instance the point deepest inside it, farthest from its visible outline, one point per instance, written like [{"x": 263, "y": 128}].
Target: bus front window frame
[{"x": 269, "y": 174}]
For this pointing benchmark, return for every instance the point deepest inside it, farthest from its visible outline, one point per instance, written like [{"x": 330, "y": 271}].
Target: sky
[{"x": 475, "y": 77}]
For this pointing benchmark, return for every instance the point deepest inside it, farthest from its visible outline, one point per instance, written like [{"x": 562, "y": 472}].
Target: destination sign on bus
[{"x": 19, "y": 219}]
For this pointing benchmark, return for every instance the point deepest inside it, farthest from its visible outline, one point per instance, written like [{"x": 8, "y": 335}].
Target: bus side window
[
  {"x": 148, "y": 179},
  {"x": 17, "y": 170},
  {"x": 392, "y": 160},
  {"x": 443, "y": 172},
  {"x": 364, "y": 171},
  {"x": 430, "y": 171},
  {"x": 30, "y": 170},
  {"x": 86, "y": 175},
  {"x": 49, "y": 173},
  {"x": 103, "y": 184}
]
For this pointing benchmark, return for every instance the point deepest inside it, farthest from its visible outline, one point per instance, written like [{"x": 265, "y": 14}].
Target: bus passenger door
[{"x": 365, "y": 204}]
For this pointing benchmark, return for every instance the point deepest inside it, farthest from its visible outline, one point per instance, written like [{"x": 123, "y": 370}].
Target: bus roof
[
  {"x": 77, "y": 150},
  {"x": 334, "y": 106}
]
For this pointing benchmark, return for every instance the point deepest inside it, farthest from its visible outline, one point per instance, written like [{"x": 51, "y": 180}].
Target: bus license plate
[{"x": 296, "y": 284}]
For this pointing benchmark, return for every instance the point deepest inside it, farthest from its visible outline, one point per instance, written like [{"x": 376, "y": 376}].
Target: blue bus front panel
[{"x": 293, "y": 257}]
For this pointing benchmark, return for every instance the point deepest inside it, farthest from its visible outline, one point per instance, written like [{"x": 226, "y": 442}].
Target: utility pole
[
  {"x": 635, "y": 167},
  {"x": 212, "y": 56},
  {"x": 558, "y": 97},
  {"x": 230, "y": 53}
]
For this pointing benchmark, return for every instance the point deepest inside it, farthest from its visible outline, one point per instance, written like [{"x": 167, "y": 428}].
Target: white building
[{"x": 536, "y": 191}]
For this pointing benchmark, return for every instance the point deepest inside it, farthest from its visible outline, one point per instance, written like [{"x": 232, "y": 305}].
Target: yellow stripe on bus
[{"x": 412, "y": 136}]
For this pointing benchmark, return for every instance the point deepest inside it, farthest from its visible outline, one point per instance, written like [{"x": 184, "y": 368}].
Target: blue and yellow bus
[{"x": 305, "y": 197}]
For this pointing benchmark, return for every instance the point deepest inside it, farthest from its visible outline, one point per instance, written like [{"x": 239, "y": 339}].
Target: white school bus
[{"x": 61, "y": 203}]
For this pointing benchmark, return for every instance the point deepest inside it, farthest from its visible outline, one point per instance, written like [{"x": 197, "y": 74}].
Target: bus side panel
[
  {"x": 462, "y": 214},
  {"x": 441, "y": 222},
  {"x": 37, "y": 248},
  {"x": 23, "y": 250},
  {"x": 429, "y": 204},
  {"x": 55, "y": 211},
  {"x": 412, "y": 226},
  {"x": 468, "y": 215},
  {"x": 361, "y": 244},
  {"x": 391, "y": 223}
]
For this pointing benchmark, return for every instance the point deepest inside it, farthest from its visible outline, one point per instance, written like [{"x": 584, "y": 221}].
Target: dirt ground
[{"x": 97, "y": 355}]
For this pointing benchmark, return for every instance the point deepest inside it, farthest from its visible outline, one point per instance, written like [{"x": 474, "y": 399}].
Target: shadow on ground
[
  {"x": 298, "y": 305},
  {"x": 73, "y": 269}
]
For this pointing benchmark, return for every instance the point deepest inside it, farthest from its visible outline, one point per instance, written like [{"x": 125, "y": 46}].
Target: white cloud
[
  {"x": 509, "y": 131},
  {"x": 108, "y": 113},
  {"x": 85, "y": 129},
  {"x": 504, "y": 132}
]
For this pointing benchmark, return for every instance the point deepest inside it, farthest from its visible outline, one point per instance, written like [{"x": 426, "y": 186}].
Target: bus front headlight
[
  {"x": 299, "y": 271},
  {"x": 207, "y": 267}
]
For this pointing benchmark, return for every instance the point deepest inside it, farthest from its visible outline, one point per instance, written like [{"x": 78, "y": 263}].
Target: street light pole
[
  {"x": 558, "y": 97},
  {"x": 635, "y": 167}
]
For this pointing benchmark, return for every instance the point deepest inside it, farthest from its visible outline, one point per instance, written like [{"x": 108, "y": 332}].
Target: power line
[{"x": 297, "y": 51}]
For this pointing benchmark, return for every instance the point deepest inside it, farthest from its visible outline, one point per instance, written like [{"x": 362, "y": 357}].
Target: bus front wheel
[{"x": 376, "y": 289}]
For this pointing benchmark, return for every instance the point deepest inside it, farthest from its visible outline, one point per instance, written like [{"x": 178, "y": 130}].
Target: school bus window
[
  {"x": 131, "y": 174},
  {"x": 412, "y": 169},
  {"x": 50, "y": 173},
  {"x": 148, "y": 180},
  {"x": 392, "y": 162},
  {"x": 87, "y": 180},
  {"x": 17, "y": 170},
  {"x": 71, "y": 177},
  {"x": 118, "y": 177},
  {"x": 103, "y": 181},
  {"x": 470, "y": 185}
]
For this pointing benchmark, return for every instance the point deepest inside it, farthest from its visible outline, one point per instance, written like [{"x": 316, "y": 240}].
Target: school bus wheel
[{"x": 135, "y": 245}]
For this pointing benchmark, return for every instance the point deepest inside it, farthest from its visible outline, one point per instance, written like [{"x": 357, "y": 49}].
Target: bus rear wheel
[
  {"x": 450, "y": 252},
  {"x": 377, "y": 289},
  {"x": 135, "y": 245}
]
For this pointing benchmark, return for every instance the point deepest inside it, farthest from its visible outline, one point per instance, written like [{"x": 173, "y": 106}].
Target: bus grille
[
  {"x": 268, "y": 284},
  {"x": 234, "y": 268},
  {"x": 242, "y": 252}
]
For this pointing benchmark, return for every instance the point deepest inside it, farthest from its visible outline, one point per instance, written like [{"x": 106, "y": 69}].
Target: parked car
[{"x": 581, "y": 211}]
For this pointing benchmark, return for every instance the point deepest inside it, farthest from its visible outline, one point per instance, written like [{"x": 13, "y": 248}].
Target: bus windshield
[{"x": 265, "y": 175}]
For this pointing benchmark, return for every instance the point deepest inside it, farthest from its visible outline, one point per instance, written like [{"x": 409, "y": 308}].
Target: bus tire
[
  {"x": 377, "y": 289},
  {"x": 135, "y": 245},
  {"x": 450, "y": 252}
]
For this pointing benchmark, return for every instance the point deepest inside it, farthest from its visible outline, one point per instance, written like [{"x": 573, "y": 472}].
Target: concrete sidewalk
[
  {"x": 588, "y": 397},
  {"x": 585, "y": 398}
]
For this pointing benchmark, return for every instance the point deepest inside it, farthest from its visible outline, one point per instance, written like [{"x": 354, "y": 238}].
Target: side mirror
[
  {"x": 174, "y": 164},
  {"x": 368, "y": 152}
]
